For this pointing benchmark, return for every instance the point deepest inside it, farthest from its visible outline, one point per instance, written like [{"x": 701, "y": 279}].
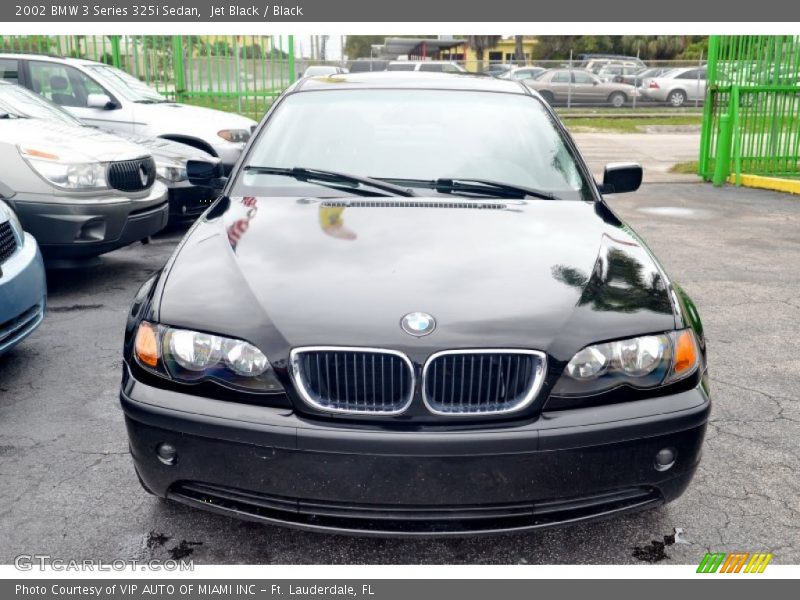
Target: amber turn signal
[
  {"x": 146, "y": 345},
  {"x": 685, "y": 353}
]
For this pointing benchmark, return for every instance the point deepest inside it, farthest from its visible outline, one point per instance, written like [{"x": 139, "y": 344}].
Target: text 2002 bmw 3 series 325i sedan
[{"x": 413, "y": 313}]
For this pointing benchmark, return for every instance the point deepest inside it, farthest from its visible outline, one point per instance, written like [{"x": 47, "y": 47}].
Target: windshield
[
  {"x": 21, "y": 102},
  {"x": 126, "y": 85},
  {"x": 415, "y": 134}
]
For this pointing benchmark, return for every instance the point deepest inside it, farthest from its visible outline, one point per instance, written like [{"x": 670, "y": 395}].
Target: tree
[
  {"x": 479, "y": 44},
  {"x": 360, "y": 46},
  {"x": 519, "y": 50}
]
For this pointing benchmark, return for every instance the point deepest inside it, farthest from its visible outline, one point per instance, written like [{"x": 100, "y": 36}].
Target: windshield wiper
[
  {"x": 474, "y": 186},
  {"x": 318, "y": 175}
]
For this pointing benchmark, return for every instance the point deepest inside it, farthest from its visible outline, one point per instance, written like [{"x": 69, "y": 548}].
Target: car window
[
  {"x": 581, "y": 77},
  {"x": 561, "y": 77},
  {"x": 401, "y": 67},
  {"x": 18, "y": 100},
  {"x": 448, "y": 68},
  {"x": 127, "y": 85},
  {"x": 691, "y": 74},
  {"x": 416, "y": 134},
  {"x": 9, "y": 69},
  {"x": 433, "y": 67},
  {"x": 64, "y": 85}
]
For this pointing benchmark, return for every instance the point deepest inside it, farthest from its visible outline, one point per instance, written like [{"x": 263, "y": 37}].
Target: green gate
[
  {"x": 751, "y": 121},
  {"x": 241, "y": 74}
]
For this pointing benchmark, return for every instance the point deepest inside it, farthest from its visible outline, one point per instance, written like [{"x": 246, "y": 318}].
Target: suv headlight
[
  {"x": 64, "y": 173},
  {"x": 236, "y": 136},
  {"x": 193, "y": 357},
  {"x": 641, "y": 362},
  {"x": 171, "y": 171}
]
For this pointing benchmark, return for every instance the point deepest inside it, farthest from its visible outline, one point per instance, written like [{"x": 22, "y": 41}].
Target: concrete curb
[{"x": 777, "y": 184}]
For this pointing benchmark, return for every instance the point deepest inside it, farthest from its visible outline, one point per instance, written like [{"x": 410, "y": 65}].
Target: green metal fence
[
  {"x": 751, "y": 121},
  {"x": 241, "y": 74}
]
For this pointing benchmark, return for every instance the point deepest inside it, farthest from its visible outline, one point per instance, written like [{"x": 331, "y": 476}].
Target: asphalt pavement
[{"x": 68, "y": 489}]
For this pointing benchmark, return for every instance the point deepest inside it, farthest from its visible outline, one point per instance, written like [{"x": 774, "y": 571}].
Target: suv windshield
[
  {"x": 127, "y": 85},
  {"x": 21, "y": 102},
  {"x": 415, "y": 135}
]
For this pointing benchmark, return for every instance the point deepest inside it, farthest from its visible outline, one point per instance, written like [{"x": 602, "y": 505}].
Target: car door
[
  {"x": 693, "y": 83},
  {"x": 584, "y": 88},
  {"x": 560, "y": 85},
  {"x": 70, "y": 87}
]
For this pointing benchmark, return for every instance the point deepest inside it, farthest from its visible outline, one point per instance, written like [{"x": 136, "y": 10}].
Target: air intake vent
[
  {"x": 8, "y": 242},
  {"x": 411, "y": 204}
]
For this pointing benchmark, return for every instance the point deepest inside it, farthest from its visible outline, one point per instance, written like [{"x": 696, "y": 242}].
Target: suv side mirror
[
  {"x": 206, "y": 173},
  {"x": 619, "y": 178},
  {"x": 101, "y": 101}
]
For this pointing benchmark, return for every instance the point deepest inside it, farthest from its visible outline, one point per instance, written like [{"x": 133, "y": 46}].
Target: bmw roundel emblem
[{"x": 418, "y": 324}]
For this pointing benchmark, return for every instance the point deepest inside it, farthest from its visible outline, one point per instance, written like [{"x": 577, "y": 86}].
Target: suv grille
[
  {"x": 132, "y": 175},
  {"x": 8, "y": 241},
  {"x": 353, "y": 380},
  {"x": 471, "y": 382}
]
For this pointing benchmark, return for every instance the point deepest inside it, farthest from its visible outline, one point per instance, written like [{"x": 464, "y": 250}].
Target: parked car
[
  {"x": 595, "y": 63},
  {"x": 109, "y": 98},
  {"x": 520, "y": 73},
  {"x": 677, "y": 86},
  {"x": 368, "y": 65},
  {"x": 557, "y": 86},
  {"x": 79, "y": 191},
  {"x": 497, "y": 69},
  {"x": 23, "y": 288},
  {"x": 618, "y": 73},
  {"x": 471, "y": 342},
  {"x": 642, "y": 76},
  {"x": 323, "y": 70},
  {"x": 185, "y": 200},
  {"x": 430, "y": 66}
]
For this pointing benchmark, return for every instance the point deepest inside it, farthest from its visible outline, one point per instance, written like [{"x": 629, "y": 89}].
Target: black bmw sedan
[{"x": 412, "y": 312}]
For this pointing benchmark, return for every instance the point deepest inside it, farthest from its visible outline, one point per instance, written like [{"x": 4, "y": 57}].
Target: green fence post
[
  {"x": 291, "y": 59},
  {"x": 177, "y": 67},
  {"x": 708, "y": 107},
  {"x": 722, "y": 166},
  {"x": 116, "y": 55}
]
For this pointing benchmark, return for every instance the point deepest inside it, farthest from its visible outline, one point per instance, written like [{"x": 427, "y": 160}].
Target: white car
[
  {"x": 677, "y": 86},
  {"x": 323, "y": 71},
  {"x": 107, "y": 97},
  {"x": 431, "y": 66}
]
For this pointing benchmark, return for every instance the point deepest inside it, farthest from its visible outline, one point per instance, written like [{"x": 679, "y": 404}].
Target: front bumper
[
  {"x": 188, "y": 201},
  {"x": 23, "y": 294},
  {"x": 75, "y": 228},
  {"x": 271, "y": 465}
]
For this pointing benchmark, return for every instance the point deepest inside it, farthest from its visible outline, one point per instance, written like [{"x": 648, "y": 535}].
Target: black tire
[
  {"x": 617, "y": 99},
  {"x": 676, "y": 98},
  {"x": 548, "y": 97}
]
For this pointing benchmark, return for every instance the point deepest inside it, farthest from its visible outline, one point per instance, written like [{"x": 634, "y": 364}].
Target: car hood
[
  {"x": 288, "y": 272},
  {"x": 70, "y": 142},
  {"x": 183, "y": 118}
]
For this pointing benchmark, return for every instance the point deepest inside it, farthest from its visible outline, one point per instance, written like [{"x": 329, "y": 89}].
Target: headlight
[
  {"x": 237, "y": 136},
  {"x": 193, "y": 357},
  {"x": 63, "y": 173},
  {"x": 171, "y": 171},
  {"x": 641, "y": 362}
]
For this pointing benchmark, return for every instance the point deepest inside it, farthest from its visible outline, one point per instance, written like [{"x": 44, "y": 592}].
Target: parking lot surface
[{"x": 69, "y": 491}]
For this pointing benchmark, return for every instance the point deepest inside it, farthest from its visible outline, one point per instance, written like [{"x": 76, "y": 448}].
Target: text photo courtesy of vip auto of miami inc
[{"x": 418, "y": 299}]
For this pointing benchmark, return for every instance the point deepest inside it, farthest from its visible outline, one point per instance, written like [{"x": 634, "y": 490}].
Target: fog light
[
  {"x": 665, "y": 459},
  {"x": 167, "y": 453}
]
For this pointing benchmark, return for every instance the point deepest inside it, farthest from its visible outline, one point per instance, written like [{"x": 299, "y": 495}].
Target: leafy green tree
[{"x": 479, "y": 44}]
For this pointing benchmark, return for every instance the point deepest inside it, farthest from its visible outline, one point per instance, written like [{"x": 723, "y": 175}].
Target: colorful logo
[{"x": 736, "y": 562}]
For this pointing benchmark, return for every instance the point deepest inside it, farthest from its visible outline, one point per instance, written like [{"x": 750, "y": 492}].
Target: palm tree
[
  {"x": 519, "y": 50},
  {"x": 479, "y": 43}
]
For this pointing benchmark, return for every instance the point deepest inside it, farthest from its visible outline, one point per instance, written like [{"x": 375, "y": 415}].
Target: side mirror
[
  {"x": 206, "y": 173},
  {"x": 101, "y": 101},
  {"x": 619, "y": 178}
]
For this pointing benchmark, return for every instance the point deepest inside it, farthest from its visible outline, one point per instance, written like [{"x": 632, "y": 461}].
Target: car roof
[
  {"x": 410, "y": 81},
  {"x": 51, "y": 58}
]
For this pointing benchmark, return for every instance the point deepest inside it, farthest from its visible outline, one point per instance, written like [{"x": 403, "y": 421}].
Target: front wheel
[
  {"x": 617, "y": 99},
  {"x": 676, "y": 98}
]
